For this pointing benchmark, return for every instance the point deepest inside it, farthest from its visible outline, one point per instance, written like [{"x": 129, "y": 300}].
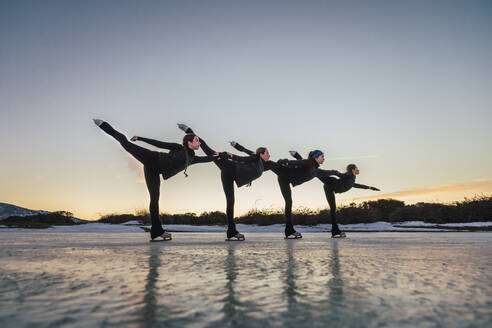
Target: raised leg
[{"x": 143, "y": 155}]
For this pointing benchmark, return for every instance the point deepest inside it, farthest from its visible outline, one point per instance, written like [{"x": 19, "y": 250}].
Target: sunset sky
[{"x": 403, "y": 89}]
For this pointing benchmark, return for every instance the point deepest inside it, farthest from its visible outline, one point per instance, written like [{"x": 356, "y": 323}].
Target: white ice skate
[
  {"x": 294, "y": 235},
  {"x": 183, "y": 127},
  {"x": 340, "y": 234},
  {"x": 164, "y": 237},
  {"x": 236, "y": 237},
  {"x": 98, "y": 121}
]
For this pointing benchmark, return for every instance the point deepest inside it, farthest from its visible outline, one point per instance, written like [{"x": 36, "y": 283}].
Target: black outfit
[
  {"x": 332, "y": 185},
  {"x": 241, "y": 169},
  {"x": 155, "y": 163},
  {"x": 295, "y": 173}
]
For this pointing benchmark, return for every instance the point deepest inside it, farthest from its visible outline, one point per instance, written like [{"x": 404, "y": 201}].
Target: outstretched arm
[
  {"x": 241, "y": 148},
  {"x": 320, "y": 173},
  {"x": 295, "y": 154},
  {"x": 252, "y": 158},
  {"x": 204, "y": 159},
  {"x": 158, "y": 144},
  {"x": 361, "y": 186},
  {"x": 271, "y": 165}
]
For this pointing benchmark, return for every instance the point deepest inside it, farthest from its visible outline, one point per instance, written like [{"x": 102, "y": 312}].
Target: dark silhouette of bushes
[
  {"x": 264, "y": 217},
  {"x": 368, "y": 212},
  {"x": 478, "y": 208},
  {"x": 40, "y": 221},
  {"x": 206, "y": 218}
]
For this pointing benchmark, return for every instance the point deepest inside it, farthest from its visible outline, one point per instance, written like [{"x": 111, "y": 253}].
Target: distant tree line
[{"x": 478, "y": 208}]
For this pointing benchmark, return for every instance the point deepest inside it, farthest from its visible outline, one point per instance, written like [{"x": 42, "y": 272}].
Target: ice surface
[
  {"x": 133, "y": 226},
  {"x": 74, "y": 279},
  {"x": 425, "y": 224}
]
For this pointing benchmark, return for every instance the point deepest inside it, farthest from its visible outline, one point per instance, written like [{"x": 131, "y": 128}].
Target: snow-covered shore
[{"x": 133, "y": 226}]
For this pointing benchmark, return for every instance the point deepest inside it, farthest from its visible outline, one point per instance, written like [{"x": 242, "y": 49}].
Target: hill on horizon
[{"x": 8, "y": 210}]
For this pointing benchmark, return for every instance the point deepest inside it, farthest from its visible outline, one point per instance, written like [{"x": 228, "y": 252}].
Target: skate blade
[
  {"x": 339, "y": 236},
  {"x": 160, "y": 240},
  {"x": 234, "y": 239},
  {"x": 293, "y": 237}
]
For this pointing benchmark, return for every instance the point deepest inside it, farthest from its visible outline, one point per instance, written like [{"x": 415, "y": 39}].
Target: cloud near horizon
[{"x": 477, "y": 186}]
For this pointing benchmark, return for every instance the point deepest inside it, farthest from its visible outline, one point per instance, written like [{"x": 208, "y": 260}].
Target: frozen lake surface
[{"x": 70, "y": 279}]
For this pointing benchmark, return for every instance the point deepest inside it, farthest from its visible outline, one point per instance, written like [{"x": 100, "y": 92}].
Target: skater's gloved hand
[
  {"x": 283, "y": 161},
  {"x": 294, "y": 153},
  {"x": 134, "y": 138},
  {"x": 374, "y": 188},
  {"x": 233, "y": 143},
  {"x": 223, "y": 155}
]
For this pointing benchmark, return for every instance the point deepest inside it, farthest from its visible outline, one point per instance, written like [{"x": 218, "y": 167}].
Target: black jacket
[
  {"x": 249, "y": 168},
  {"x": 300, "y": 171},
  {"x": 174, "y": 162},
  {"x": 345, "y": 182}
]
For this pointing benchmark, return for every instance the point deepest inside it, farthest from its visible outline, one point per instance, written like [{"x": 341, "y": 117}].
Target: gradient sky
[{"x": 401, "y": 88}]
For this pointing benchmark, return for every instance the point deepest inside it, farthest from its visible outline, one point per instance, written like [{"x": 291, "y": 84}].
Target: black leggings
[
  {"x": 284, "y": 184},
  {"x": 329, "y": 185},
  {"x": 227, "y": 169},
  {"x": 150, "y": 161}
]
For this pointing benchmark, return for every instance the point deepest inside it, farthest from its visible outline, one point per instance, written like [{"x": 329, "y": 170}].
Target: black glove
[
  {"x": 374, "y": 188},
  {"x": 223, "y": 155},
  {"x": 283, "y": 162}
]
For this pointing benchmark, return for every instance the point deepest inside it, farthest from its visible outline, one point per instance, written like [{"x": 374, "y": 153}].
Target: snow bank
[
  {"x": 425, "y": 224},
  {"x": 133, "y": 226}
]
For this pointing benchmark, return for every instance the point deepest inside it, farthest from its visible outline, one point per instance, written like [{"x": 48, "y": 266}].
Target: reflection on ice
[{"x": 198, "y": 280}]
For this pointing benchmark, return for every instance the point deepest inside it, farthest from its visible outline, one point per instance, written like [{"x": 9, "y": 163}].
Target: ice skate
[
  {"x": 164, "y": 237},
  {"x": 237, "y": 237},
  {"x": 98, "y": 122},
  {"x": 294, "y": 235},
  {"x": 103, "y": 125},
  {"x": 338, "y": 234},
  {"x": 184, "y": 127}
]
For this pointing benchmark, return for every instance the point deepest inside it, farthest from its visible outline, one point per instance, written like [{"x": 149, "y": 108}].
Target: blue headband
[{"x": 317, "y": 154}]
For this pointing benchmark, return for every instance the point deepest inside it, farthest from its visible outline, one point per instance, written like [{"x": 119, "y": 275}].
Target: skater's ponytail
[{"x": 187, "y": 138}]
